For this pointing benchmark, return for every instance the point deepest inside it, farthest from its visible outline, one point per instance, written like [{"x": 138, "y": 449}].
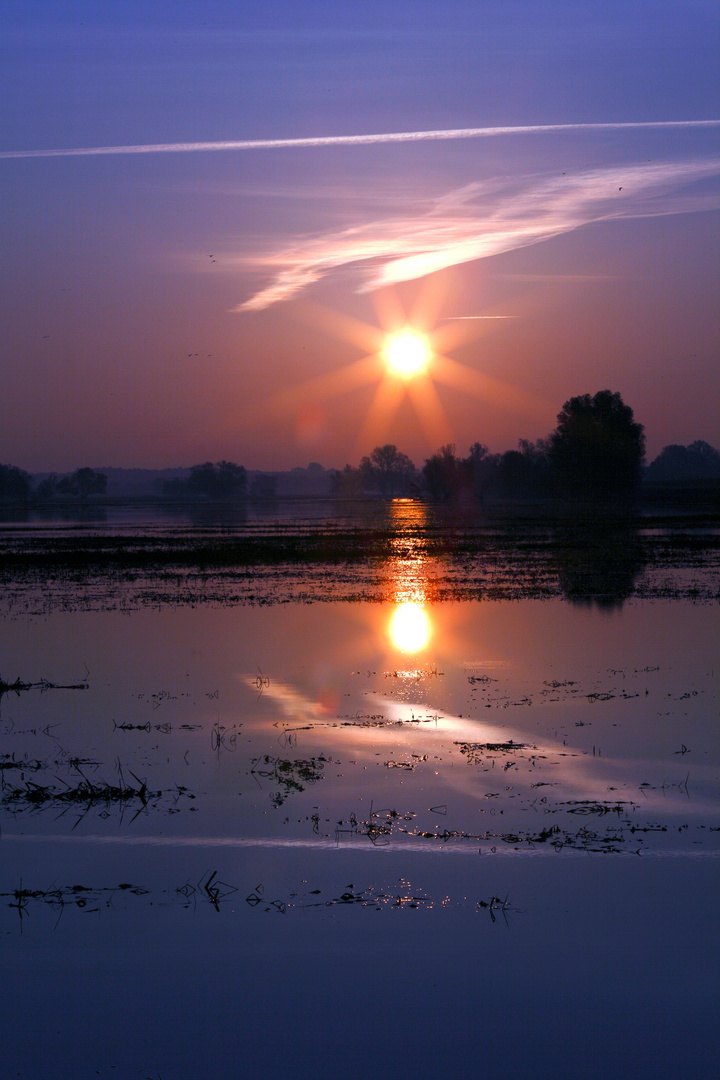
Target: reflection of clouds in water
[
  {"x": 537, "y": 773},
  {"x": 538, "y": 769},
  {"x": 292, "y": 703}
]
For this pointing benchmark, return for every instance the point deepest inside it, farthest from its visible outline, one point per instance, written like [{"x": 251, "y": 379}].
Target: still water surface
[{"x": 402, "y": 838}]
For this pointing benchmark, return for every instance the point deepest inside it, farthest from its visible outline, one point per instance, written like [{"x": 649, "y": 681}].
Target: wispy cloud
[
  {"x": 355, "y": 140},
  {"x": 483, "y": 219}
]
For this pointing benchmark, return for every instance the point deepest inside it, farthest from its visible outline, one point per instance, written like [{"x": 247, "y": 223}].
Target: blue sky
[{"x": 165, "y": 308}]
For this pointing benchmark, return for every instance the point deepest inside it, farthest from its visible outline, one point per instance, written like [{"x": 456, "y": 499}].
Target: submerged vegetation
[
  {"x": 594, "y": 558},
  {"x": 287, "y": 776},
  {"x": 83, "y": 794},
  {"x": 18, "y": 686}
]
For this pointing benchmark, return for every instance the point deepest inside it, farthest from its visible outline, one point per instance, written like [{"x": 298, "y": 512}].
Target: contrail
[{"x": 356, "y": 140}]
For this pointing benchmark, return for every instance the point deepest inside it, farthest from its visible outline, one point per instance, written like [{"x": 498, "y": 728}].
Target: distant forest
[{"x": 596, "y": 453}]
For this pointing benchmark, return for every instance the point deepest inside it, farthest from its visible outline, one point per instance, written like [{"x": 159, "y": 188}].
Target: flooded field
[
  {"x": 387, "y": 797},
  {"x": 309, "y": 552}
]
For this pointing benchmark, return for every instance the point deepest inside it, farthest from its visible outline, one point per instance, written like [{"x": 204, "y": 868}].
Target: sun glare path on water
[{"x": 410, "y": 627}]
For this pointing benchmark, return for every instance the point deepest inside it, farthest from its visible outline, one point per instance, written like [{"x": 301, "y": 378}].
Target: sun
[
  {"x": 407, "y": 353},
  {"x": 406, "y": 358}
]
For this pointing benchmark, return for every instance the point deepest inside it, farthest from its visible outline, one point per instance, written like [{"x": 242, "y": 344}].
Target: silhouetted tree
[
  {"x": 449, "y": 478},
  {"x": 512, "y": 473},
  {"x": 391, "y": 471},
  {"x": 15, "y": 484},
  {"x": 224, "y": 480},
  {"x": 525, "y": 473},
  {"x": 597, "y": 448},
  {"x": 481, "y": 467},
  {"x": 684, "y": 464},
  {"x": 346, "y": 483},
  {"x": 443, "y": 474},
  {"x": 82, "y": 483}
]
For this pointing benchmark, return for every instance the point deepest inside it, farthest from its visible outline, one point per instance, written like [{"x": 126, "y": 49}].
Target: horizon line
[{"x": 356, "y": 140}]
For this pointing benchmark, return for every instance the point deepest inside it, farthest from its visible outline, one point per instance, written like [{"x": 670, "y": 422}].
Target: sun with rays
[
  {"x": 407, "y": 353},
  {"x": 405, "y": 357}
]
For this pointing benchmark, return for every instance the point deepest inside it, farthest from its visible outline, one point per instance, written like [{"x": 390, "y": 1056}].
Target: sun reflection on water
[{"x": 410, "y": 626}]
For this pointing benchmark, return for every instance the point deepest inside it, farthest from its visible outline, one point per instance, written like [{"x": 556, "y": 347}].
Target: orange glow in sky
[{"x": 405, "y": 357}]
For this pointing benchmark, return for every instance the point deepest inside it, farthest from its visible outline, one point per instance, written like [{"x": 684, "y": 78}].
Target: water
[{"x": 322, "y": 839}]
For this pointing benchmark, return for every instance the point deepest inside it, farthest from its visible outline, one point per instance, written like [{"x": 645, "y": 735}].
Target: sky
[{"x": 214, "y": 214}]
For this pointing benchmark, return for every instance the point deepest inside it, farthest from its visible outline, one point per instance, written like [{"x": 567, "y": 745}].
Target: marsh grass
[
  {"x": 289, "y": 775},
  {"x": 19, "y": 687},
  {"x": 503, "y": 557},
  {"x": 84, "y": 793}
]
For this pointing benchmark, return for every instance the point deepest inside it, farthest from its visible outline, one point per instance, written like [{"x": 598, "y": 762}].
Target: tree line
[
  {"x": 17, "y": 486},
  {"x": 595, "y": 452}
]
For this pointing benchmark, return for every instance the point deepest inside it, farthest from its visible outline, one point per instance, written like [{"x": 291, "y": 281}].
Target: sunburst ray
[
  {"x": 385, "y": 404},
  {"x": 430, "y": 411},
  {"x": 487, "y": 387}
]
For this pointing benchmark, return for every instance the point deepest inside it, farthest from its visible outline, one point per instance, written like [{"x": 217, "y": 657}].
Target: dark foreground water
[{"x": 398, "y": 836}]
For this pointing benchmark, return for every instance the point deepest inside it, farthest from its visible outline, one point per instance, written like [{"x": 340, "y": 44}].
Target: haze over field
[{"x": 214, "y": 215}]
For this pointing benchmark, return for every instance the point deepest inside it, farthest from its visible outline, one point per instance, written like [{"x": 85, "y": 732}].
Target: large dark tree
[{"x": 597, "y": 448}]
